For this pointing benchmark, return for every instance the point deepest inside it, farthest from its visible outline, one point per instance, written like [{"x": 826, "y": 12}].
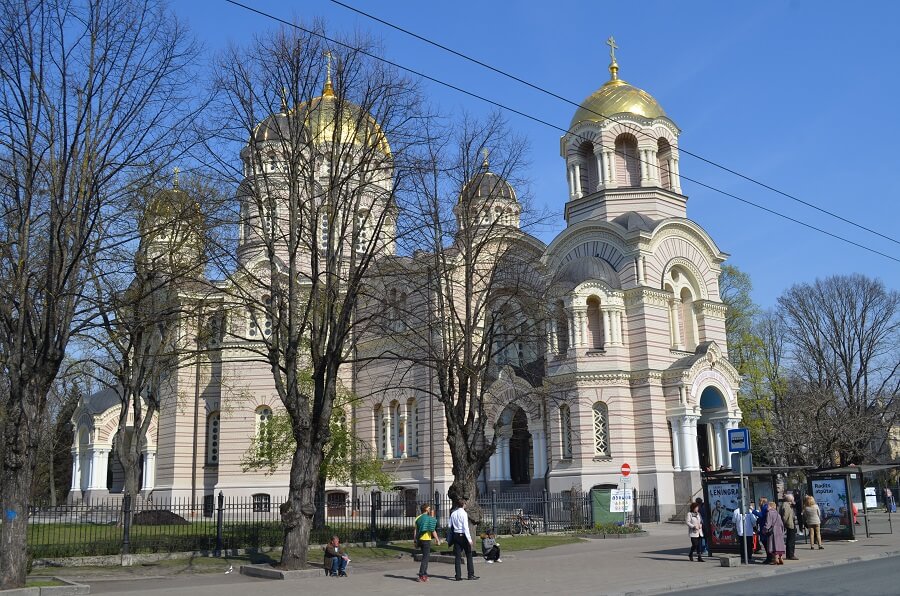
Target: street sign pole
[
  {"x": 739, "y": 442},
  {"x": 626, "y": 470}
]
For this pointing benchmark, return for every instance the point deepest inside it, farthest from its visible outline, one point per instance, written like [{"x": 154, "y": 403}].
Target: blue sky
[{"x": 800, "y": 95}]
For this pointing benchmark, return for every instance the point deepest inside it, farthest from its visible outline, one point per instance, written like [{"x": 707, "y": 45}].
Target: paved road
[
  {"x": 869, "y": 578},
  {"x": 655, "y": 564}
]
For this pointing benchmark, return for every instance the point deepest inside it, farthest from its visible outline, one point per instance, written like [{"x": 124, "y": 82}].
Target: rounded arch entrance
[
  {"x": 712, "y": 427},
  {"x": 517, "y": 458}
]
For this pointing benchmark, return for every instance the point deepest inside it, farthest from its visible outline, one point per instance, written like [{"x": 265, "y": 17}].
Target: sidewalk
[{"x": 655, "y": 564}]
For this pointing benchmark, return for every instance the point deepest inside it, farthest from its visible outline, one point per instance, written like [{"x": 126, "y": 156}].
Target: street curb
[{"x": 755, "y": 574}]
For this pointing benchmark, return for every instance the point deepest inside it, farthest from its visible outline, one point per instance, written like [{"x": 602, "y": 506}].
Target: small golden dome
[{"x": 615, "y": 97}]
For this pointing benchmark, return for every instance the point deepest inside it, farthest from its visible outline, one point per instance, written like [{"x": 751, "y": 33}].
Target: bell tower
[{"x": 621, "y": 154}]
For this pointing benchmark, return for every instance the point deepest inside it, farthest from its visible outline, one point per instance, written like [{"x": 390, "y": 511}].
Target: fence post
[
  {"x": 126, "y": 524},
  {"x": 494, "y": 511},
  {"x": 372, "y": 528},
  {"x": 637, "y": 506},
  {"x": 437, "y": 507},
  {"x": 546, "y": 503},
  {"x": 220, "y": 519},
  {"x": 656, "y": 504}
]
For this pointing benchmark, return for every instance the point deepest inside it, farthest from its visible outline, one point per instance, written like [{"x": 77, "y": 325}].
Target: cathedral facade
[{"x": 635, "y": 351}]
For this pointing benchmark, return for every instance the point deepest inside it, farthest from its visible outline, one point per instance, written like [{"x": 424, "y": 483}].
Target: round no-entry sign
[{"x": 626, "y": 470}]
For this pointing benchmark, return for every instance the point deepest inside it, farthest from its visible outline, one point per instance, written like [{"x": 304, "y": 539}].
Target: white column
[
  {"x": 404, "y": 443},
  {"x": 645, "y": 168},
  {"x": 677, "y": 178},
  {"x": 578, "y": 192},
  {"x": 494, "y": 465},
  {"x": 504, "y": 461},
  {"x": 612, "y": 181},
  {"x": 607, "y": 332},
  {"x": 552, "y": 342},
  {"x": 617, "y": 326},
  {"x": 388, "y": 438},
  {"x": 99, "y": 464},
  {"x": 579, "y": 329},
  {"x": 76, "y": 471},
  {"x": 571, "y": 175},
  {"x": 675, "y": 421},
  {"x": 601, "y": 172},
  {"x": 671, "y": 165},
  {"x": 149, "y": 470},
  {"x": 538, "y": 455},
  {"x": 676, "y": 324},
  {"x": 692, "y": 457},
  {"x": 640, "y": 269}
]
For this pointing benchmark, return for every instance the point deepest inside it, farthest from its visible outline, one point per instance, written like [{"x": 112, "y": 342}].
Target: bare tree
[
  {"x": 327, "y": 138},
  {"x": 93, "y": 95},
  {"x": 844, "y": 338},
  {"x": 143, "y": 299},
  {"x": 469, "y": 301}
]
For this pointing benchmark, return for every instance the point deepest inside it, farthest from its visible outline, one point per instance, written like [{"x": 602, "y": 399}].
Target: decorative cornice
[
  {"x": 646, "y": 295},
  {"x": 709, "y": 308}
]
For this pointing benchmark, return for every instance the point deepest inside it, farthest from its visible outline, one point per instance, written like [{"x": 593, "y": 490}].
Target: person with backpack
[{"x": 424, "y": 534}]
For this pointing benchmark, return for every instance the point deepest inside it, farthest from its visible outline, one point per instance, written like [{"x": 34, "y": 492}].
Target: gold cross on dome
[
  {"x": 486, "y": 152},
  {"x": 175, "y": 177},
  {"x": 611, "y": 42}
]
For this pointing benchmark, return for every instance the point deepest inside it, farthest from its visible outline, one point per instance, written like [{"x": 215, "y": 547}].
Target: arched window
[
  {"x": 601, "y": 429},
  {"x": 595, "y": 324},
  {"x": 562, "y": 329},
  {"x": 412, "y": 428},
  {"x": 264, "y": 433},
  {"x": 565, "y": 430},
  {"x": 628, "y": 165},
  {"x": 663, "y": 159},
  {"x": 590, "y": 176},
  {"x": 212, "y": 439}
]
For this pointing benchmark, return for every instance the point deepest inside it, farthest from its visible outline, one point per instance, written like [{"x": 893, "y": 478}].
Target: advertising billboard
[
  {"x": 831, "y": 495},
  {"x": 723, "y": 497}
]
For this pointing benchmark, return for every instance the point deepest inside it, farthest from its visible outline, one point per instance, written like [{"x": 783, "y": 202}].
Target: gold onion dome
[
  {"x": 318, "y": 118},
  {"x": 169, "y": 206},
  {"x": 615, "y": 97},
  {"x": 487, "y": 185}
]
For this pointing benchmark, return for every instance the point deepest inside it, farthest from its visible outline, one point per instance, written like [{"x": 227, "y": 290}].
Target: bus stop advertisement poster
[
  {"x": 723, "y": 497},
  {"x": 831, "y": 495}
]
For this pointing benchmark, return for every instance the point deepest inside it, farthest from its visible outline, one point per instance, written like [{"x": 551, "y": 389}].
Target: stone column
[
  {"x": 578, "y": 192},
  {"x": 676, "y": 324},
  {"x": 675, "y": 421},
  {"x": 404, "y": 439},
  {"x": 149, "y": 470},
  {"x": 676, "y": 180},
  {"x": 570, "y": 170},
  {"x": 611, "y": 165},
  {"x": 645, "y": 167},
  {"x": 617, "y": 327},
  {"x": 601, "y": 170},
  {"x": 691, "y": 461},
  {"x": 504, "y": 458},
  {"x": 552, "y": 343},
  {"x": 607, "y": 332},
  {"x": 640, "y": 269},
  {"x": 671, "y": 165},
  {"x": 580, "y": 335},
  {"x": 494, "y": 465},
  {"x": 99, "y": 465},
  {"x": 76, "y": 471},
  {"x": 388, "y": 438},
  {"x": 539, "y": 453}
]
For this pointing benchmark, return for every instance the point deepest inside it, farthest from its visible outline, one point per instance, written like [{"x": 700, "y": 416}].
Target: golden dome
[
  {"x": 319, "y": 116},
  {"x": 615, "y": 97}
]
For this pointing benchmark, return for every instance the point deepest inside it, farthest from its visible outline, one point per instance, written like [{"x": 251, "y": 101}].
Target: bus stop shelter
[{"x": 842, "y": 493}]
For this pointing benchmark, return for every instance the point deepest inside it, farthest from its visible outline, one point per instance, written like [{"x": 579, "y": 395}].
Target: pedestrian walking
[
  {"x": 761, "y": 514},
  {"x": 789, "y": 519},
  {"x": 695, "y": 530},
  {"x": 704, "y": 517},
  {"x": 462, "y": 539},
  {"x": 745, "y": 524},
  {"x": 424, "y": 535},
  {"x": 775, "y": 536},
  {"x": 812, "y": 517}
]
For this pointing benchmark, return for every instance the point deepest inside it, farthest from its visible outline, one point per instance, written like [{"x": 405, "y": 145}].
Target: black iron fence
[{"x": 122, "y": 525}]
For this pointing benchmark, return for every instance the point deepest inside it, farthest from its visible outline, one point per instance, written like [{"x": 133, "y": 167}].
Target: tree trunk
[
  {"x": 465, "y": 484},
  {"x": 319, "y": 519},
  {"x": 16, "y": 475},
  {"x": 298, "y": 511},
  {"x": 51, "y": 475}
]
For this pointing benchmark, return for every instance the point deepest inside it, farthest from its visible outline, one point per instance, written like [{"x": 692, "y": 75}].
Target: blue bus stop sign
[{"x": 738, "y": 440}]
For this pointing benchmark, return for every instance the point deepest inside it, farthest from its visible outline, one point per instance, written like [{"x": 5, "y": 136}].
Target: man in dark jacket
[{"x": 336, "y": 558}]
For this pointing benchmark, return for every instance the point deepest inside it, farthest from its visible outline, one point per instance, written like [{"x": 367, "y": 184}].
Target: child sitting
[{"x": 490, "y": 548}]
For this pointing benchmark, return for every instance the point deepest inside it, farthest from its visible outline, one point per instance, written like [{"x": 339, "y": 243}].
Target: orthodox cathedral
[{"x": 636, "y": 345}]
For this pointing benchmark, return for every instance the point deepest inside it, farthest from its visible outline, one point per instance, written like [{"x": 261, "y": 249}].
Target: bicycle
[{"x": 522, "y": 523}]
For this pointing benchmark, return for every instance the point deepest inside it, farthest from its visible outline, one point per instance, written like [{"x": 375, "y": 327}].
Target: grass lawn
[{"x": 43, "y": 582}]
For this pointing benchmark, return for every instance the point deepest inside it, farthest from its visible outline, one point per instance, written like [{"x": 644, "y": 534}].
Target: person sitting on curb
[
  {"x": 490, "y": 548},
  {"x": 336, "y": 558}
]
